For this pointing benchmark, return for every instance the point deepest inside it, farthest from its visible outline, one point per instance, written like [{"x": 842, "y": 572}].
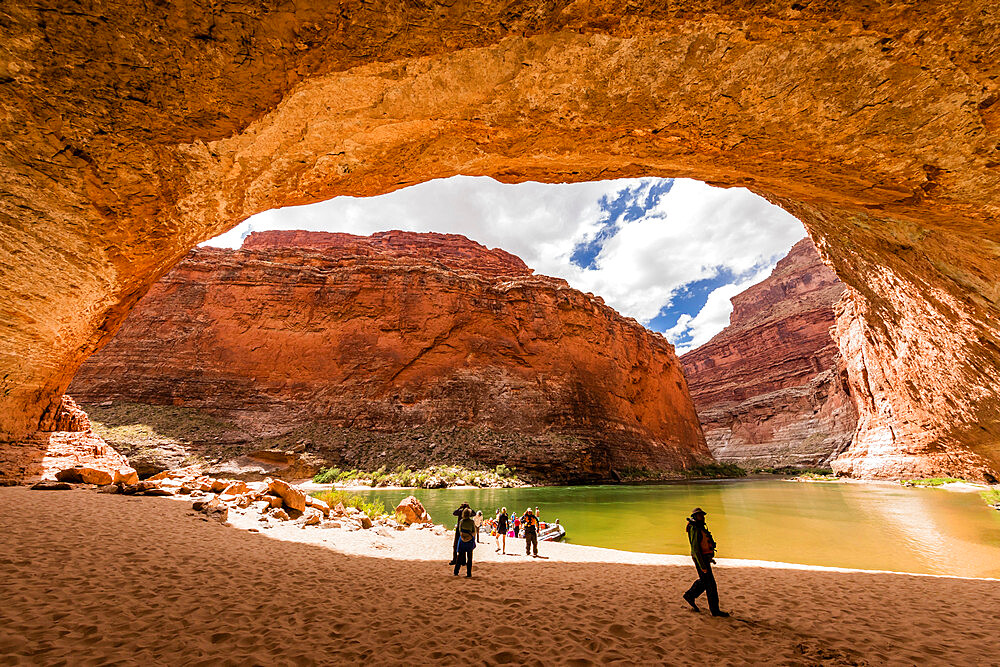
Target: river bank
[{"x": 91, "y": 578}]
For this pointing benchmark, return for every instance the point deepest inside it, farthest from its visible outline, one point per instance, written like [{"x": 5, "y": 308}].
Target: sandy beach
[{"x": 110, "y": 579}]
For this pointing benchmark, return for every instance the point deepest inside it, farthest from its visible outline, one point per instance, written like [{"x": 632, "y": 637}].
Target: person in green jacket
[{"x": 703, "y": 553}]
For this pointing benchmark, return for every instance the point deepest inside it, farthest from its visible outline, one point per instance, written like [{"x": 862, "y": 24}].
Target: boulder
[
  {"x": 280, "y": 514},
  {"x": 213, "y": 508},
  {"x": 70, "y": 475},
  {"x": 311, "y": 517},
  {"x": 126, "y": 475},
  {"x": 339, "y": 509},
  {"x": 218, "y": 485},
  {"x": 294, "y": 498},
  {"x": 411, "y": 511},
  {"x": 364, "y": 520},
  {"x": 49, "y": 485},
  {"x": 321, "y": 505},
  {"x": 109, "y": 488},
  {"x": 235, "y": 489},
  {"x": 85, "y": 475},
  {"x": 158, "y": 492},
  {"x": 275, "y": 501}
]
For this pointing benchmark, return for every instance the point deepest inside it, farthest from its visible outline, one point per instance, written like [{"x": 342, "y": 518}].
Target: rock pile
[{"x": 275, "y": 500}]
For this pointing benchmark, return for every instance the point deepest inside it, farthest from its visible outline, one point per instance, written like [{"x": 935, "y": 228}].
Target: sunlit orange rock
[
  {"x": 66, "y": 446},
  {"x": 876, "y": 123},
  {"x": 402, "y": 331}
]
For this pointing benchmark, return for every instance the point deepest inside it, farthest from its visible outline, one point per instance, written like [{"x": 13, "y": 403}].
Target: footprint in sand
[{"x": 619, "y": 630}]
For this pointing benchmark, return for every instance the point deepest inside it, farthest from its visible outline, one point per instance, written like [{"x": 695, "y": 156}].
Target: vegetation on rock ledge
[{"x": 433, "y": 477}]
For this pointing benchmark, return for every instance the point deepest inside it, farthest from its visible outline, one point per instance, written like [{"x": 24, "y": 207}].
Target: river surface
[{"x": 866, "y": 526}]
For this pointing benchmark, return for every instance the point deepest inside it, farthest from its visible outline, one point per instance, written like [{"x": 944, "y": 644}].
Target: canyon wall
[
  {"x": 770, "y": 388},
  {"x": 876, "y": 123},
  {"x": 398, "y": 332}
]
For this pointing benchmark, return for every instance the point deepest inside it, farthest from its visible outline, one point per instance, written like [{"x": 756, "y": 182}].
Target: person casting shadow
[
  {"x": 703, "y": 553},
  {"x": 454, "y": 547},
  {"x": 468, "y": 532}
]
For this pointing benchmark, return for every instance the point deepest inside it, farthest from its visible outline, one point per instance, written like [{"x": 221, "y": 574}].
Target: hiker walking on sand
[
  {"x": 703, "y": 553},
  {"x": 468, "y": 535},
  {"x": 529, "y": 522},
  {"x": 454, "y": 548},
  {"x": 503, "y": 524}
]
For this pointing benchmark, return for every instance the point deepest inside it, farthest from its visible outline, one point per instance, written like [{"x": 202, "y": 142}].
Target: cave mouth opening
[
  {"x": 668, "y": 252},
  {"x": 223, "y": 340}
]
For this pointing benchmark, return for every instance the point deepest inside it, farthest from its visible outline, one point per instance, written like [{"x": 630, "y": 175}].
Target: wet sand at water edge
[{"x": 88, "y": 579}]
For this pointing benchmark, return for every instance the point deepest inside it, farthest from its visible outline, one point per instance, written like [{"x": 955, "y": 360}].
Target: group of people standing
[{"x": 470, "y": 522}]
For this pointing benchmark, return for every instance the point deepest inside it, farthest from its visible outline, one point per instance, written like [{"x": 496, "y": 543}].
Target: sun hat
[{"x": 697, "y": 510}]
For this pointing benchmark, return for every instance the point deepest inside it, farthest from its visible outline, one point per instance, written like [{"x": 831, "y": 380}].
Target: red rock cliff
[
  {"x": 398, "y": 331},
  {"x": 768, "y": 388}
]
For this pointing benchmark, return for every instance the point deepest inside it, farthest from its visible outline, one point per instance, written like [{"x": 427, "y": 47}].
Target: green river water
[{"x": 867, "y": 526}]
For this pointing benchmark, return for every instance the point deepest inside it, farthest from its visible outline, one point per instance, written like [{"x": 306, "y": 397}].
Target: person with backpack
[
  {"x": 531, "y": 528},
  {"x": 503, "y": 525},
  {"x": 468, "y": 534},
  {"x": 703, "y": 552},
  {"x": 454, "y": 548}
]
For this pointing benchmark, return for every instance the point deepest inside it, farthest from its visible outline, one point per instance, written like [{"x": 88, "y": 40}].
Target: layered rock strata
[
  {"x": 769, "y": 388},
  {"x": 398, "y": 332},
  {"x": 876, "y": 123}
]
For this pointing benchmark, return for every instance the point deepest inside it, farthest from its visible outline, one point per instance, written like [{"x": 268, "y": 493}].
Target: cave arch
[{"x": 876, "y": 124}]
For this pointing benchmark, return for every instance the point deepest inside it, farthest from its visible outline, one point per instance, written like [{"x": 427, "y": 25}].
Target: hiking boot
[
  {"x": 721, "y": 614},
  {"x": 690, "y": 601}
]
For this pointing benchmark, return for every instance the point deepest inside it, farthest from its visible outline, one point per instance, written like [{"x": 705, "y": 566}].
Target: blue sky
[{"x": 668, "y": 252}]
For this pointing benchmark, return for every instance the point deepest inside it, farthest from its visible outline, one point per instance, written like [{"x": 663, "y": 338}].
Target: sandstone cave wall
[{"x": 876, "y": 123}]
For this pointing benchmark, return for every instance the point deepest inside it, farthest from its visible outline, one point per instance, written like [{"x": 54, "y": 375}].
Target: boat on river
[{"x": 551, "y": 532}]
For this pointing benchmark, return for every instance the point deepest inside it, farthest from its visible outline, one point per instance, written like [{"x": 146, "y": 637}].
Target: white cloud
[
  {"x": 690, "y": 234},
  {"x": 712, "y": 318}
]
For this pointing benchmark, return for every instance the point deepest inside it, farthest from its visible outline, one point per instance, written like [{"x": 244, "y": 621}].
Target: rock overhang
[{"x": 873, "y": 124}]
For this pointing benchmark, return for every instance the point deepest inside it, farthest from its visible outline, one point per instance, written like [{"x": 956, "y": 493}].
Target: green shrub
[
  {"x": 327, "y": 476},
  {"x": 991, "y": 496},
  {"x": 720, "y": 470},
  {"x": 930, "y": 481},
  {"x": 372, "y": 508}
]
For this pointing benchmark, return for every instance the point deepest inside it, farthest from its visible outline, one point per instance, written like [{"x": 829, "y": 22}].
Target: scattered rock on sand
[
  {"x": 280, "y": 514},
  {"x": 411, "y": 511},
  {"x": 321, "y": 505},
  {"x": 85, "y": 475},
  {"x": 49, "y": 485},
  {"x": 311, "y": 517},
  {"x": 364, "y": 520},
  {"x": 213, "y": 508},
  {"x": 294, "y": 498}
]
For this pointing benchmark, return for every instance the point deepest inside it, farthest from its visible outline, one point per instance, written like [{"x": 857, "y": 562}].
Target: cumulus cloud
[{"x": 667, "y": 252}]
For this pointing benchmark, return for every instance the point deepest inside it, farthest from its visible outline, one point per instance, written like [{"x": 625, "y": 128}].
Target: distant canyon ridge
[
  {"x": 771, "y": 389},
  {"x": 395, "y": 348}
]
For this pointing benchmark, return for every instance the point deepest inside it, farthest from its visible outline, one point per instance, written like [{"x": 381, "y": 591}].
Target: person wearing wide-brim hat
[{"x": 703, "y": 553}]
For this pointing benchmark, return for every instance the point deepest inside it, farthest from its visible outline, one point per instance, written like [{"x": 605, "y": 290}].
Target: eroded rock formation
[
  {"x": 64, "y": 441},
  {"x": 397, "y": 332},
  {"x": 768, "y": 388},
  {"x": 876, "y": 123}
]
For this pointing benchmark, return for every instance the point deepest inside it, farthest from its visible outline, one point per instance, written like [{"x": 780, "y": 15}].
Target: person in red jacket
[{"x": 703, "y": 553}]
